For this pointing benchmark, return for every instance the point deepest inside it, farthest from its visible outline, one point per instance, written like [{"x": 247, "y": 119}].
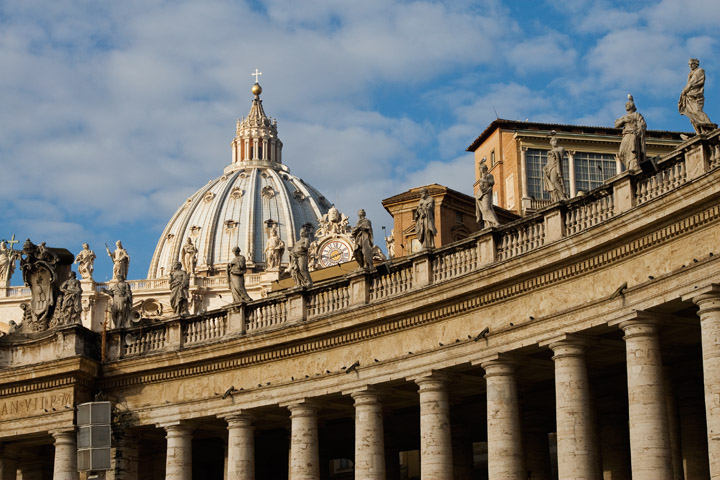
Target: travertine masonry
[
  {"x": 241, "y": 448},
  {"x": 65, "y": 466},
  {"x": 436, "y": 460},
  {"x": 178, "y": 464},
  {"x": 369, "y": 441},
  {"x": 304, "y": 456}
]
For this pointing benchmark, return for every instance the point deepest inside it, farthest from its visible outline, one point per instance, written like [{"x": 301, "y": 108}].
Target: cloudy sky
[{"x": 113, "y": 113}]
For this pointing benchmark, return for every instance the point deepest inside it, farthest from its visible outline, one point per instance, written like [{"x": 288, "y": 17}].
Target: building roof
[
  {"x": 433, "y": 189},
  {"x": 577, "y": 129}
]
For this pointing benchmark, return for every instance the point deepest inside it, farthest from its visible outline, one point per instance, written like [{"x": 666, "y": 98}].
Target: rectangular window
[
  {"x": 592, "y": 169},
  {"x": 458, "y": 217},
  {"x": 535, "y": 160},
  {"x": 492, "y": 158}
]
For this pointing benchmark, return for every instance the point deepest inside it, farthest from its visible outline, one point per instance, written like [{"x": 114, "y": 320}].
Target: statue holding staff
[{"x": 121, "y": 260}]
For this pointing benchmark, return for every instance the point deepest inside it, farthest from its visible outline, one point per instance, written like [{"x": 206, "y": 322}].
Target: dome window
[
  {"x": 236, "y": 193},
  {"x": 209, "y": 196},
  {"x": 268, "y": 191},
  {"x": 298, "y": 195}
]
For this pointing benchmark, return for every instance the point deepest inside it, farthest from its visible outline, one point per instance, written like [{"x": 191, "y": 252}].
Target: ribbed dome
[{"x": 255, "y": 190}]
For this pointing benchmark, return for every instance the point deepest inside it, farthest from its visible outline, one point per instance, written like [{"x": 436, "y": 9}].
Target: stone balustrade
[{"x": 401, "y": 276}]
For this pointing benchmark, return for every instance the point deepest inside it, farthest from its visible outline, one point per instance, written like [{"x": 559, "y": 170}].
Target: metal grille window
[
  {"x": 535, "y": 160},
  {"x": 592, "y": 169}
]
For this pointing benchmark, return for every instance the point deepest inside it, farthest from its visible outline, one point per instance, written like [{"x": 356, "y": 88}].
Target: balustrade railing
[
  {"x": 393, "y": 283},
  {"x": 266, "y": 315},
  {"x": 582, "y": 215},
  {"x": 453, "y": 263},
  {"x": 205, "y": 328},
  {"x": 143, "y": 341},
  {"x": 663, "y": 181},
  {"x": 148, "y": 284},
  {"x": 521, "y": 238},
  {"x": 328, "y": 300},
  {"x": 18, "y": 292}
]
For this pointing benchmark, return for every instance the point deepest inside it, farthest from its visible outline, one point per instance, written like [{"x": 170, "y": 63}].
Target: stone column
[
  {"x": 369, "y": 437},
  {"x": 709, "y": 303},
  {"x": 649, "y": 436},
  {"x": 65, "y": 465},
  {"x": 505, "y": 449},
  {"x": 673, "y": 426},
  {"x": 240, "y": 448},
  {"x": 436, "y": 460},
  {"x": 576, "y": 439},
  {"x": 178, "y": 459},
  {"x": 571, "y": 173},
  {"x": 304, "y": 452}
]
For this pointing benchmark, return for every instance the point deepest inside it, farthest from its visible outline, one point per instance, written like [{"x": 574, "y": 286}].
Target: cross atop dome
[{"x": 256, "y": 74}]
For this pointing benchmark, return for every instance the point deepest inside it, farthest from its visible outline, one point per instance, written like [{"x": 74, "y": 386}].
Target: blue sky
[{"x": 113, "y": 113}]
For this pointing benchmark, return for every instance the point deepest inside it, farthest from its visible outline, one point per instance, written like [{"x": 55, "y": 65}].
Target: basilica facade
[{"x": 577, "y": 340}]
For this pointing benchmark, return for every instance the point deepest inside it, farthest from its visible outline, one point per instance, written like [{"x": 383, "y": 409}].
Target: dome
[{"x": 256, "y": 192}]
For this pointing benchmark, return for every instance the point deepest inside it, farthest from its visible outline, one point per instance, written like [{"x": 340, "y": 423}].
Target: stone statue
[
  {"x": 332, "y": 223},
  {"x": 692, "y": 99},
  {"x": 362, "y": 234},
  {"x": 85, "y": 261},
  {"x": 121, "y": 308},
  {"x": 298, "y": 268},
  {"x": 274, "y": 249},
  {"x": 390, "y": 244},
  {"x": 8, "y": 257},
  {"x": 189, "y": 257},
  {"x": 71, "y": 306},
  {"x": 425, "y": 220},
  {"x": 484, "y": 211},
  {"x": 552, "y": 171},
  {"x": 179, "y": 289},
  {"x": 236, "y": 269},
  {"x": 121, "y": 260},
  {"x": 632, "y": 146}
]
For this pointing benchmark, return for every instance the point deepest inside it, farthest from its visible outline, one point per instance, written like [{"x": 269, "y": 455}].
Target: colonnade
[{"x": 585, "y": 447}]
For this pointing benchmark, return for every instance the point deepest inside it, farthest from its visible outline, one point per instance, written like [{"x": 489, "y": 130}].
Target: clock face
[{"x": 334, "y": 252}]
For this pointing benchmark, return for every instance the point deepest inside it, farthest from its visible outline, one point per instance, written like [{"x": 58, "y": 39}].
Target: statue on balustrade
[
  {"x": 236, "y": 270},
  {"x": 71, "y": 304},
  {"x": 121, "y": 260},
  {"x": 692, "y": 99},
  {"x": 189, "y": 257},
  {"x": 298, "y": 268},
  {"x": 552, "y": 171},
  {"x": 274, "y": 248},
  {"x": 362, "y": 234},
  {"x": 179, "y": 289},
  {"x": 45, "y": 270},
  {"x": 390, "y": 243},
  {"x": 85, "y": 261},
  {"x": 8, "y": 257},
  {"x": 632, "y": 146},
  {"x": 484, "y": 211},
  {"x": 425, "y": 220},
  {"x": 121, "y": 308}
]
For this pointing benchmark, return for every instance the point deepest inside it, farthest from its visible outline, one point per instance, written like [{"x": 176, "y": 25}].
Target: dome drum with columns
[{"x": 255, "y": 191}]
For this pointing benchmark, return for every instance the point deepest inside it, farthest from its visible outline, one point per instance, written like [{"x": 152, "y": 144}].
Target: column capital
[
  {"x": 61, "y": 435},
  {"x": 432, "y": 381},
  {"x": 640, "y": 317},
  {"x": 523, "y": 149},
  {"x": 302, "y": 408},
  {"x": 178, "y": 428},
  {"x": 567, "y": 345},
  {"x": 500, "y": 365},
  {"x": 239, "y": 420},
  {"x": 707, "y": 298},
  {"x": 369, "y": 395}
]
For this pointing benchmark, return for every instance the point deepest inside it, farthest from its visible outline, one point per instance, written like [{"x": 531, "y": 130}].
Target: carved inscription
[{"x": 35, "y": 405}]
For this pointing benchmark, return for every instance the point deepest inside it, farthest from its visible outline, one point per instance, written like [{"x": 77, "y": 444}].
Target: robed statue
[
  {"x": 298, "y": 268},
  {"x": 179, "y": 289},
  {"x": 692, "y": 99},
  {"x": 632, "y": 146},
  {"x": 484, "y": 211},
  {"x": 362, "y": 234},
  {"x": 236, "y": 270},
  {"x": 121, "y": 260},
  {"x": 552, "y": 171},
  {"x": 85, "y": 260},
  {"x": 121, "y": 308},
  {"x": 425, "y": 220}
]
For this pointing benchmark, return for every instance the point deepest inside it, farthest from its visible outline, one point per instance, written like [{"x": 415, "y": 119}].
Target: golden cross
[{"x": 256, "y": 73}]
